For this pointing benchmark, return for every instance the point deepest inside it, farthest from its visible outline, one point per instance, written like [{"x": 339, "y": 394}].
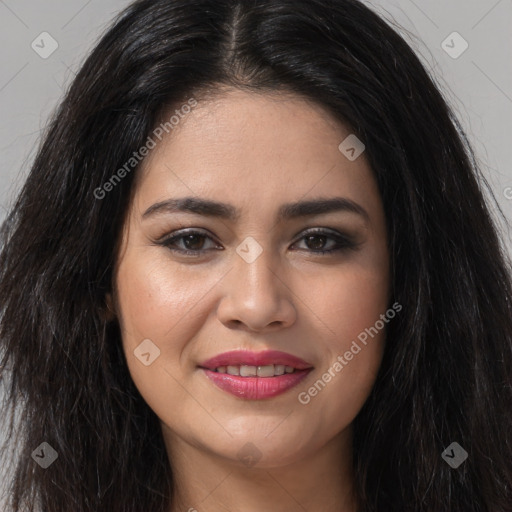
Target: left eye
[
  {"x": 320, "y": 237},
  {"x": 193, "y": 242}
]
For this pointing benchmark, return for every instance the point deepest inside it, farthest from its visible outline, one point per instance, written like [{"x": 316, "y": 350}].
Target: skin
[{"x": 255, "y": 152}]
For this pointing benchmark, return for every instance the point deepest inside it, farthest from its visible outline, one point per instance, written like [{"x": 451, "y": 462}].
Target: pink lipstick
[{"x": 255, "y": 375}]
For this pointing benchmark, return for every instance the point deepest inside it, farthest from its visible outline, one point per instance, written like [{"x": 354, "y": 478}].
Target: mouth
[{"x": 255, "y": 375}]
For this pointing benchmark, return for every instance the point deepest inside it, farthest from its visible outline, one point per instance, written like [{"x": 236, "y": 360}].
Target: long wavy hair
[{"x": 446, "y": 374}]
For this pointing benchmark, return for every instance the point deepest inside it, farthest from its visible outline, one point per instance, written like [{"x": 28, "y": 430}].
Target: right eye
[{"x": 192, "y": 240}]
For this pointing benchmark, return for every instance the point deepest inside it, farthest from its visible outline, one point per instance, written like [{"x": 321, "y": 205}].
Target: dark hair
[{"x": 447, "y": 369}]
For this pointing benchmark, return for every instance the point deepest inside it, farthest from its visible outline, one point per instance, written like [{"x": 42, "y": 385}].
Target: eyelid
[
  {"x": 348, "y": 241},
  {"x": 321, "y": 230},
  {"x": 178, "y": 234}
]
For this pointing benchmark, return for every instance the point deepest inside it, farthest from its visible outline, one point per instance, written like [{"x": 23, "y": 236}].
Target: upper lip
[{"x": 249, "y": 358}]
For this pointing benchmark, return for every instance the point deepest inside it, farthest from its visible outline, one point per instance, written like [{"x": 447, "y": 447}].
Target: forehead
[{"x": 255, "y": 149}]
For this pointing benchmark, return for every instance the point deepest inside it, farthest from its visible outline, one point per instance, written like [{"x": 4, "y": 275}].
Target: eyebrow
[{"x": 287, "y": 211}]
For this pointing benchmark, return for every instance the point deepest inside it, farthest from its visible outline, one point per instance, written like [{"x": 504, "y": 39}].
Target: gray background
[{"x": 478, "y": 84}]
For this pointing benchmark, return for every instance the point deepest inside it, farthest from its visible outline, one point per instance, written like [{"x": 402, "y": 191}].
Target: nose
[{"x": 256, "y": 296}]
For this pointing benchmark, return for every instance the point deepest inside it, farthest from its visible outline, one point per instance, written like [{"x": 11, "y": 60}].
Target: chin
[{"x": 258, "y": 449}]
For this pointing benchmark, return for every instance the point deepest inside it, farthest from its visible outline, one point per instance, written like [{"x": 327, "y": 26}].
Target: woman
[{"x": 252, "y": 268}]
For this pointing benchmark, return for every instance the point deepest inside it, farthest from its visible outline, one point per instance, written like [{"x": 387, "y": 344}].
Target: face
[{"x": 198, "y": 280}]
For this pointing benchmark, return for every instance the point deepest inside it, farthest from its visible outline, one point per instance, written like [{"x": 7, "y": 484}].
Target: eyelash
[{"x": 343, "y": 242}]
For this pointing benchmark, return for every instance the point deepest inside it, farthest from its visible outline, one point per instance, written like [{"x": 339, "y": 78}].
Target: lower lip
[{"x": 256, "y": 388}]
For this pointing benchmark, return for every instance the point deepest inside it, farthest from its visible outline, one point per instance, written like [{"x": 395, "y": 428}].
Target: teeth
[
  {"x": 270, "y": 370},
  {"x": 266, "y": 371},
  {"x": 249, "y": 371},
  {"x": 234, "y": 370},
  {"x": 279, "y": 369}
]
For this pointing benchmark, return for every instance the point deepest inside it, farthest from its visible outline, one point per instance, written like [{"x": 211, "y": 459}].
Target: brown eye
[
  {"x": 317, "y": 240},
  {"x": 192, "y": 242}
]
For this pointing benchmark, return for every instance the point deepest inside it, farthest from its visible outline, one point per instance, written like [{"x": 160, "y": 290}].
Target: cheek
[
  {"x": 155, "y": 298},
  {"x": 348, "y": 300},
  {"x": 157, "y": 303},
  {"x": 349, "y": 306}
]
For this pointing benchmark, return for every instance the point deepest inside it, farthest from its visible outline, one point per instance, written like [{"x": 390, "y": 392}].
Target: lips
[{"x": 247, "y": 375}]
